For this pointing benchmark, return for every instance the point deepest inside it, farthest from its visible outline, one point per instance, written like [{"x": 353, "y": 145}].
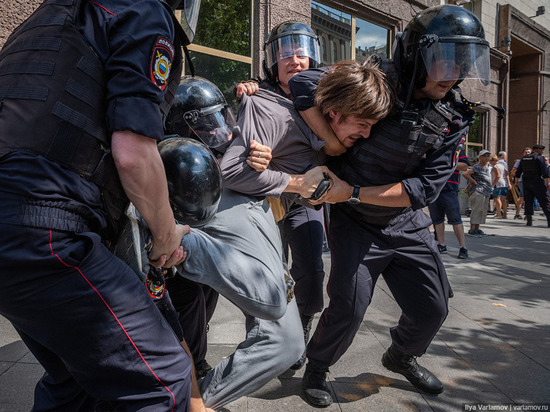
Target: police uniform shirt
[{"x": 134, "y": 42}]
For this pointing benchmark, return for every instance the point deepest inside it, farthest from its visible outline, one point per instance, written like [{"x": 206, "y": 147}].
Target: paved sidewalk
[{"x": 493, "y": 350}]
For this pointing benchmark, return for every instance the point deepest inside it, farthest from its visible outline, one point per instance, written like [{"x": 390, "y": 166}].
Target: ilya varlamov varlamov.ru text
[{"x": 506, "y": 407}]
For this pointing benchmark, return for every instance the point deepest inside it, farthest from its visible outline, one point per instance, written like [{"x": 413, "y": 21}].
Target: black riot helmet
[
  {"x": 194, "y": 180},
  {"x": 201, "y": 112},
  {"x": 287, "y": 39},
  {"x": 188, "y": 16},
  {"x": 446, "y": 43}
]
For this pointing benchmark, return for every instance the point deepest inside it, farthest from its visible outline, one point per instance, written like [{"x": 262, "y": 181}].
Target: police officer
[
  {"x": 380, "y": 186},
  {"x": 536, "y": 182},
  {"x": 83, "y": 93}
]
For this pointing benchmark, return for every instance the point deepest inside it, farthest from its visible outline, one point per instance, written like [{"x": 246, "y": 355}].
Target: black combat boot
[
  {"x": 306, "y": 325},
  {"x": 315, "y": 386},
  {"x": 399, "y": 362},
  {"x": 548, "y": 220},
  {"x": 529, "y": 220}
]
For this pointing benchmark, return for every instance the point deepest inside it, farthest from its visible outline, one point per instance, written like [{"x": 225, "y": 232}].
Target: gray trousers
[
  {"x": 269, "y": 349},
  {"x": 239, "y": 254}
]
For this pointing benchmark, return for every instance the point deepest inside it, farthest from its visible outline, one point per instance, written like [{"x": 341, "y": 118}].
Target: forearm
[
  {"x": 391, "y": 195},
  {"x": 468, "y": 176},
  {"x": 306, "y": 184},
  {"x": 196, "y": 404},
  {"x": 142, "y": 176},
  {"x": 295, "y": 184},
  {"x": 321, "y": 128}
]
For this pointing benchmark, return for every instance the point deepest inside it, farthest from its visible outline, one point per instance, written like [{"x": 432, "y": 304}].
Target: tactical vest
[
  {"x": 54, "y": 103},
  {"x": 530, "y": 166},
  {"x": 396, "y": 147}
]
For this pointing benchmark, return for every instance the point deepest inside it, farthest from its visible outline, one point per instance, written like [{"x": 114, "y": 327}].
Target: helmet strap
[
  {"x": 412, "y": 83},
  {"x": 189, "y": 61}
]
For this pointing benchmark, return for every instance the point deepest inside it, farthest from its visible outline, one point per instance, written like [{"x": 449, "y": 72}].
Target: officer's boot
[
  {"x": 315, "y": 387},
  {"x": 529, "y": 220},
  {"x": 399, "y": 362},
  {"x": 306, "y": 325}
]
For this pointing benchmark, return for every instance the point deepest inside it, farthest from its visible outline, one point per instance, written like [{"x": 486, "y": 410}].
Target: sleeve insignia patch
[{"x": 161, "y": 62}]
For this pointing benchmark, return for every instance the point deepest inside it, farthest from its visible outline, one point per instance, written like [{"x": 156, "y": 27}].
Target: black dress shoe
[
  {"x": 315, "y": 386},
  {"x": 406, "y": 365}
]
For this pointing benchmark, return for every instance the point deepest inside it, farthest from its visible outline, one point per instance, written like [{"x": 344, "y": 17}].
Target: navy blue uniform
[
  {"x": 534, "y": 171},
  {"x": 368, "y": 240},
  {"x": 81, "y": 311}
]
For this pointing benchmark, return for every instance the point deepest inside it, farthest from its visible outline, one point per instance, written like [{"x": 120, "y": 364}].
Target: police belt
[
  {"x": 43, "y": 214},
  {"x": 364, "y": 219}
]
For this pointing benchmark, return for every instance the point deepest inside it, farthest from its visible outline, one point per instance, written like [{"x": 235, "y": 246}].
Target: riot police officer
[
  {"x": 536, "y": 182},
  {"x": 83, "y": 93},
  {"x": 380, "y": 186}
]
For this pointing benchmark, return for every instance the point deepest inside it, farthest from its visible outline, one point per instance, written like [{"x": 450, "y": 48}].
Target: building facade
[{"x": 229, "y": 48}]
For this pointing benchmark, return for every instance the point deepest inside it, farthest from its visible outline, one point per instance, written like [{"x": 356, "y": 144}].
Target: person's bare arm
[
  {"x": 496, "y": 177},
  {"x": 196, "y": 403},
  {"x": 321, "y": 128},
  {"x": 306, "y": 184},
  {"x": 468, "y": 176},
  {"x": 142, "y": 176},
  {"x": 461, "y": 166},
  {"x": 390, "y": 195}
]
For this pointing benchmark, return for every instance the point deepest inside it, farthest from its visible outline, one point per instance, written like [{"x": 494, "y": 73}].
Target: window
[
  {"x": 352, "y": 37},
  {"x": 221, "y": 49},
  {"x": 370, "y": 39},
  {"x": 475, "y": 141},
  {"x": 475, "y": 7}
]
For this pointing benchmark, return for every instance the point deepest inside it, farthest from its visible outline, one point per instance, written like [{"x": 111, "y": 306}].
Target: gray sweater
[{"x": 271, "y": 120}]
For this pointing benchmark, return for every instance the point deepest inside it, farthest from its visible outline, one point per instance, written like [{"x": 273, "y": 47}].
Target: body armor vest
[
  {"x": 55, "y": 76},
  {"x": 530, "y": 166},
  {"x": 396, "y": 147}
]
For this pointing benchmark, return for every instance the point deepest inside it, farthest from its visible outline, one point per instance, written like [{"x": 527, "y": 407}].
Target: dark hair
[{"x": 355, "y": 89}]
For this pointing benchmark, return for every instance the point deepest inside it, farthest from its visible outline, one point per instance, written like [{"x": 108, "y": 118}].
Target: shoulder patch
[{"x": 161, "y": 62}]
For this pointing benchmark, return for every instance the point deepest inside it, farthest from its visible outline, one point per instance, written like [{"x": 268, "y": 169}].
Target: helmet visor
[
  {"x": 188, "y": 15},
  {"x": 191, "y": 11},
  {"x": 212, "y": 125},
  {"x": 457, "y": 59},
  {"x": 299, "y": 45}
]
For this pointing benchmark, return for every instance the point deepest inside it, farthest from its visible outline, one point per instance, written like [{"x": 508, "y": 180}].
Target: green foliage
[
  {"x": 222, "y": 72},
  {"x": 225, "y": 26}
]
